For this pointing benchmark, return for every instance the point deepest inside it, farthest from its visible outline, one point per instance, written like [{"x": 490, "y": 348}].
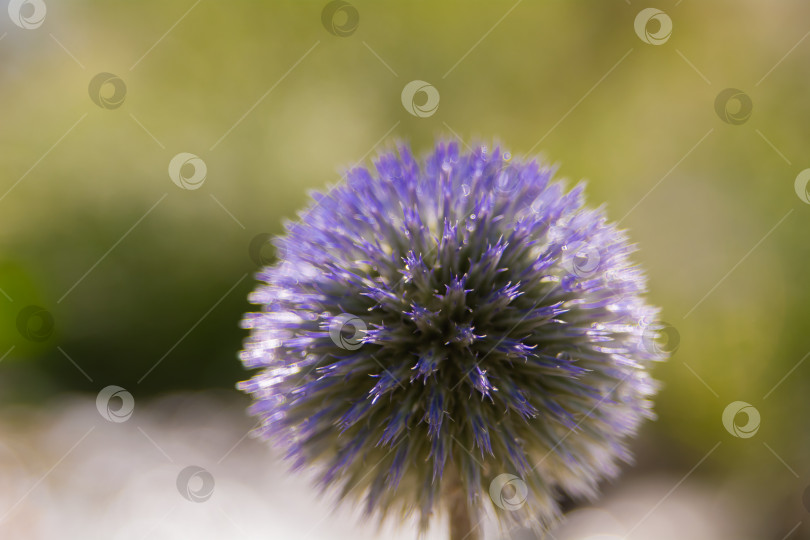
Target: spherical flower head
[{"x": 430, "y": 327}]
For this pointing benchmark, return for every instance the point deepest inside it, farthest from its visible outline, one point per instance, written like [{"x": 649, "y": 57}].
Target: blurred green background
[{"x": 276, "y": 105}]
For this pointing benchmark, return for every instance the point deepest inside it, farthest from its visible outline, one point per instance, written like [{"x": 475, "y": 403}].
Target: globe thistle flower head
[{"x": 432, "y": 326}]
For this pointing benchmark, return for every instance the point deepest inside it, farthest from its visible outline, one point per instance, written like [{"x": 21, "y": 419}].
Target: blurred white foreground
[{"x": 67, "y": 472}]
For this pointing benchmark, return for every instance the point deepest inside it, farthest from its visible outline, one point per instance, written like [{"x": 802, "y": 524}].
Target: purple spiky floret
[{"x": 495, "y": 325}]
